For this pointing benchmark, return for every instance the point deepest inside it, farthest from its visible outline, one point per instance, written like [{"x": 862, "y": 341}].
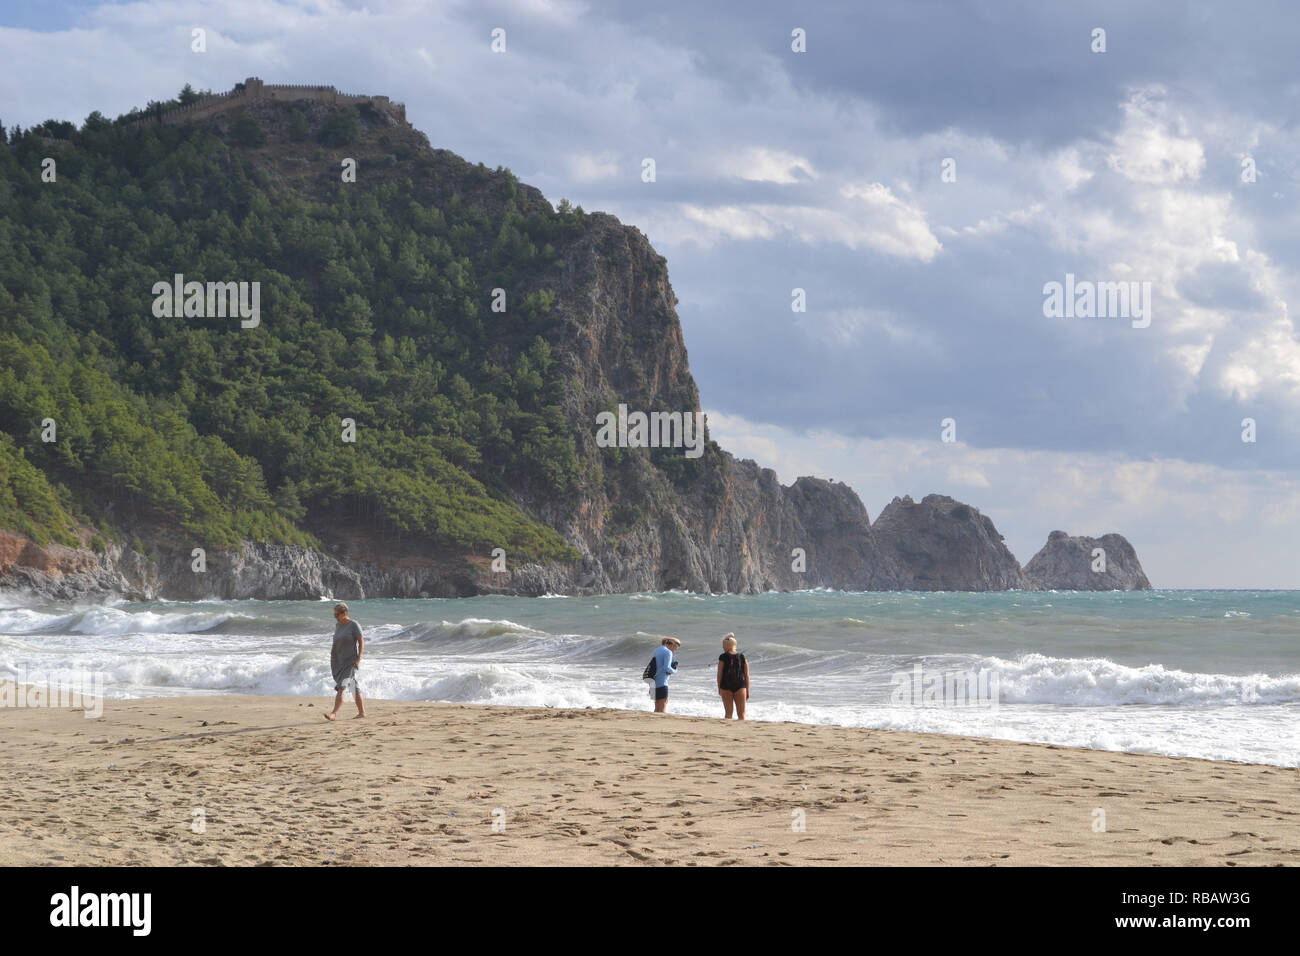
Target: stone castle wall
[{"x": 255, "y": 91}]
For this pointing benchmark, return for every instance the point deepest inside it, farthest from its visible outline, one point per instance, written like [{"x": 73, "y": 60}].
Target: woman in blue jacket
[{"x": 665, "y": 667}]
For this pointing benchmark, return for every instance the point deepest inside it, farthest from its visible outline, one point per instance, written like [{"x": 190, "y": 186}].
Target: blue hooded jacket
[{"x": 663, "y": 665}]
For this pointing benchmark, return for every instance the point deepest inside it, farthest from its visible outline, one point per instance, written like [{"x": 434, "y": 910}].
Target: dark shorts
[
  {"x": 732, "y": 690},
  {"x": 661, "y": 693}
]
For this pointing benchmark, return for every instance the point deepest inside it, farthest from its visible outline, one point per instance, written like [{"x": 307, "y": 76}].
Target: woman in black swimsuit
[{"x": 733, "y": 678}]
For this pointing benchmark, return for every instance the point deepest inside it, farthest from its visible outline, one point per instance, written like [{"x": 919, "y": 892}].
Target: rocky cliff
[
  {"x": 643, "y": 521},
  {"x": 1079, "y": 563},
  {"x": 943, "y": 545}
]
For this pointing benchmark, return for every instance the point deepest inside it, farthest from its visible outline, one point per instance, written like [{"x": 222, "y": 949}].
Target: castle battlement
[{"x": 253, "y": 90}]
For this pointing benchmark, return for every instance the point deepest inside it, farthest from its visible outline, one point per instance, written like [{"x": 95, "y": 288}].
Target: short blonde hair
[
  {"x": 671, "y": 640},
  {"x": 730, "y": 639},
  {"x": 340, "y": 607}
]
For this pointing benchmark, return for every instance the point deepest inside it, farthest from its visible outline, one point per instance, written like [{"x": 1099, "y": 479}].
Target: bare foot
[
  {"x": 328, "y": 716},
  {"x": 357, "y": 716}
]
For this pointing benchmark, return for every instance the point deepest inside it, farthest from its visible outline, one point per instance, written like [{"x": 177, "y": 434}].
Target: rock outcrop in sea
[
  {"x": 1079, "y": 563},
  {"x": 941, "y": 544}
]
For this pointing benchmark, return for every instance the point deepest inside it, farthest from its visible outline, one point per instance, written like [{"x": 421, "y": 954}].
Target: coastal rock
[
  {"x": 941, "y": 544},
  {"x": 258, "y": 571},
  {"x": 835, "y": 521},
  {"x": 1066, "y": 563},
  {"x": 56, "y": 572}
]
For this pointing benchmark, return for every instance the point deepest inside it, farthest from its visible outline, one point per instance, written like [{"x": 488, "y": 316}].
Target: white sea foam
[
  {"x": 111, "y": 620},
  {"x": 26, "y": 621},
  {"x": 1038, "y": 679},
  {"x": 486, "y": 627}
]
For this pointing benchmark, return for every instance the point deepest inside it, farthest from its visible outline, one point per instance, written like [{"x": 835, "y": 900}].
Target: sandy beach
[{"x": 446, "y": 784}]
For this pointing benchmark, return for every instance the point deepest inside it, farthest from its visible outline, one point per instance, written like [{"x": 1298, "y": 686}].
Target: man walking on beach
[
  {"x": 345, "y": 658},
  {"x": 665, "y": 667}
]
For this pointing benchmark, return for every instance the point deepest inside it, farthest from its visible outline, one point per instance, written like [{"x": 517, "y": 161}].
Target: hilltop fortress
[{"x": 253, "y": 90}]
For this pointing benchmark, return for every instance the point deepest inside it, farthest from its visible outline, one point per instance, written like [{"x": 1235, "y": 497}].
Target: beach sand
[{"x": 425, "y": 783}]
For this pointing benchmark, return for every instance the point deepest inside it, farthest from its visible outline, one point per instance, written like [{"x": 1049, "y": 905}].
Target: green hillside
[{"x": 374, "y": 305}]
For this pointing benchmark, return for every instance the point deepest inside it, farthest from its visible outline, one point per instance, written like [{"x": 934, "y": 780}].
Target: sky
[{"x": 922, "y": 171}]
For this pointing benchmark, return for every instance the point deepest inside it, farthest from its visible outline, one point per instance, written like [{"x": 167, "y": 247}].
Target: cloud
[
  {"x": 1271, "y": 354},
  {"x": 591, "y": 167},
  {"x": 967, "y": 476},
  {"x": 758, "y": 164},
  {"x": 889, "y": 224},
  {"x": 1068, "y": 166},
  {"x": 731, "y": 222},
  {"x": 838, "y": 328},
  {"x": 871, "y": 218},
  {"x": 1146, "y": 151}
]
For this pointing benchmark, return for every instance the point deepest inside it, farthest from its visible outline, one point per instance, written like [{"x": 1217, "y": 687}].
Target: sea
[{"x": 1212, "y": 674}]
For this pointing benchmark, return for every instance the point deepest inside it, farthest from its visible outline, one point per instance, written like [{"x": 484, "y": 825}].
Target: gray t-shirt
[{"x": 344, "y": 651}]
